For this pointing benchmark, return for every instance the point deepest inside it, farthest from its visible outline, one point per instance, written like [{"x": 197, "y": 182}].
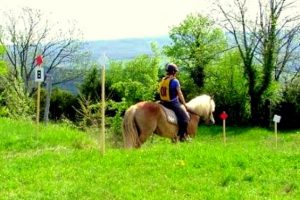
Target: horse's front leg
[{"x": 175, "y": 139}]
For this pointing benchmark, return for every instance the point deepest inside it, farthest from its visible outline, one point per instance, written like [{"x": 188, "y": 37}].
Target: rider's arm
[{"x": 180, "y": 96}]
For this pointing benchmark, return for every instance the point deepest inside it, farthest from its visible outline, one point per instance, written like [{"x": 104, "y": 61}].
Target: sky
[
  {"x": 111, "y": 19},
  {"x": 115, "y": 19}
]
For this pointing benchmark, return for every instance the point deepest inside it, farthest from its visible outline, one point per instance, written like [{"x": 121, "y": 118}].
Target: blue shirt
[{"x": 173, "y": 90}]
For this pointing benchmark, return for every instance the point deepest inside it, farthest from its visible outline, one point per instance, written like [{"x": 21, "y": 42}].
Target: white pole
[
  {"x": 276, "y": 137},
  {"x": 224, "y": 131},
  {"x": 276, "y": 120}
]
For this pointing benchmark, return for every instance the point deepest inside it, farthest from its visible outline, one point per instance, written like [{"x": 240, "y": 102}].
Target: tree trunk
[
  {"x": 48, "y": 98},
  {"x": 255, "y": 111}
]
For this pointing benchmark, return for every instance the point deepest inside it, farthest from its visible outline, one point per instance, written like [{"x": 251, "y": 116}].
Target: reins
[{"x": 192, "y": 112}]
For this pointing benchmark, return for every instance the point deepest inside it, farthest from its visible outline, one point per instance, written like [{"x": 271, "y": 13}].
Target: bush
[
  {"x": 14, "y": 101},
  {"x": 226, "y": 83},
  {"x": 135, "y": 80},
  {"x": 289, "y": 108},
  {"x": 63, "y": 104}
]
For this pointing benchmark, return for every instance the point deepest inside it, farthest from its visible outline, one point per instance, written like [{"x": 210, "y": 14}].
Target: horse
[{"x": 143, "y": 119}]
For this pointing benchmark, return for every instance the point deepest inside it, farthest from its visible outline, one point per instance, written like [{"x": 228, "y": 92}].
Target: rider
[{"x": 171, "y": 97}]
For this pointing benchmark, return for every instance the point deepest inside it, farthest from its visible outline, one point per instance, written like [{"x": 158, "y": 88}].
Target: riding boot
[{"x": 182, "y": 131}]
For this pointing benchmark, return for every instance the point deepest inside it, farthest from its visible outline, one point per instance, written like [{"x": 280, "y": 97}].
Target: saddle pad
[{"x": 171, "y": 117}]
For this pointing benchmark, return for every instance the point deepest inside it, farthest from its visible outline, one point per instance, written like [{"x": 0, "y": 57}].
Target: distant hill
[{"x": 123, "y": 49}]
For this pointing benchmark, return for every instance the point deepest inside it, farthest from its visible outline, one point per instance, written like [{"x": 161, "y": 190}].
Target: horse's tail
[{"x": 130, "y": 131}]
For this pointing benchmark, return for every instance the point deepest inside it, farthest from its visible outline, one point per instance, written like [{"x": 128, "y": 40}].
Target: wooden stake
[
  {"x": 102, "y": 136},
  {"x": 48, "y": 98},
  {"x": 38, "y": 109}
]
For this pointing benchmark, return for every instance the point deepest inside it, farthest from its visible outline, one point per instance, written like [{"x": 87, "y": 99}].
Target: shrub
[
  {"x": 226, "y": 83},
  {"x": 289, "y": 108},
  {"x": 14, "y": 101},
  {"x": 63, "y": 104}
]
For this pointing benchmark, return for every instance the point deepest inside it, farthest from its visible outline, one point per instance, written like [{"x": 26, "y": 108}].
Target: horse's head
[
  {"x": 210, "y": 118},
  {"x": 204, "y": 106}
]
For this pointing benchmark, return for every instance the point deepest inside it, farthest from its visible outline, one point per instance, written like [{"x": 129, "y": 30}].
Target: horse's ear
[{"x": 212, "y": 97}]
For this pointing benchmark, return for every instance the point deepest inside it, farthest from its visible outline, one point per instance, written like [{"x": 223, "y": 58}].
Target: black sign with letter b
[{"x": 39, "y": 74}]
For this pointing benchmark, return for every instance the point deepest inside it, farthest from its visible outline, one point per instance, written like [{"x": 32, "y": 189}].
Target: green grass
[{"x": 59, "y": 162}]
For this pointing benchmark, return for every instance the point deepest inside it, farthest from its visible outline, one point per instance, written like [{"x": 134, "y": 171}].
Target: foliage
[
  {"x": 63, "y": 163},
  {"x": 135, "y": 80},
  {"x": 27, "y": 33},
  {"x": 115, "y": 122},
  {"x": 63, "y": 104},
  {"x": 91, "y": 88},
  {"x": 195, "y": 43},
  {"x": 126, "y": 83},
  {"x": 91, "y": 85},
  {"x": 289, "y": 107},
  {"x": 3, "y": 73},
  {"x": 14, "y": 101},
  {"x": 265, "y": 45},
  {"x": 293, "y": 93},
  {"x": 226, "y": 75},
  {"x": 3, "y": 64},
  {"x": 89, "y": 113}
]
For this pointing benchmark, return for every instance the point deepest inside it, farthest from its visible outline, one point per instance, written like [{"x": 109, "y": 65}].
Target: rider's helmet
[{"x": 171, "y": 68}]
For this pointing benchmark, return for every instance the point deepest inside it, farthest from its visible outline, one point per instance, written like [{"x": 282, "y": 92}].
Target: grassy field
[{"x": 59, "y": 162}]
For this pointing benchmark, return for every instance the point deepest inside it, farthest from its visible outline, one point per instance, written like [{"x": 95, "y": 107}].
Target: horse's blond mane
[{"x": 202, "y": 105}]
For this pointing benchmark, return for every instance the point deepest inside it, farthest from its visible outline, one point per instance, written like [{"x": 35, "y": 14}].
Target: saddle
[{"x": 170, "y": 115}]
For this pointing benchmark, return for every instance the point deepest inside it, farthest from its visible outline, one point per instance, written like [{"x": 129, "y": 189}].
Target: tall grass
[{"x": 62, "y": 163}]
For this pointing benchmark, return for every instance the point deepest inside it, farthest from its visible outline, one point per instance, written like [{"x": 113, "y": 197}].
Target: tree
[
  {"x": 13, "y": 101},
  {"x": 195, "y": 43},
  {"x": 286, "y": 32},
  {"x": 135, "y": 80},
  {"x": 63, "y": 105},
  {"x": 3, "y": 73},
  {"x": 3, "y": 64},
  {"x": 290, "y": 106},
  {"x": 259, "y": 45},
  {"x": 226, "y": 75},
  {"x": 27, "y": 34},
  {"x": 126, "y": 82},
  {"x": 91, "y": 85}
]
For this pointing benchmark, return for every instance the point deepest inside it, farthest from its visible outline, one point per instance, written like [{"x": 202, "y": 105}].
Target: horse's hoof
[
  {"x": 186, "y": 139},
  {"x": 175, "y": 139}
]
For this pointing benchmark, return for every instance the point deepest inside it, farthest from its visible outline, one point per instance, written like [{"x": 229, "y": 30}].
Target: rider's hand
[{"x": 185, "y": 106}]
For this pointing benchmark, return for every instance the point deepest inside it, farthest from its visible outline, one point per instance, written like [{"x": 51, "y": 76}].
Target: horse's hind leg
[{"x": 146, "y": 130}]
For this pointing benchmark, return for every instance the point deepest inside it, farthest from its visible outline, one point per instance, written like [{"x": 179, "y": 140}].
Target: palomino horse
[{"x": 144, "y": 118}]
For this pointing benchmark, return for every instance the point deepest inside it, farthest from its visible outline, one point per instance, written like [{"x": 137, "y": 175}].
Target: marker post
[
  {"x": 276, "y": 120},
  {"x": 103, "y": 110},
  {"x": 39, "y": 78},
  {"x": 224, "y": 116},
  {"x": 103, "y": 60}
]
